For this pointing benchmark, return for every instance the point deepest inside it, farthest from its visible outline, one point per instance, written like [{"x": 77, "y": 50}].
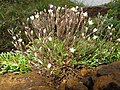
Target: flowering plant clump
[{"x": 62, "y": 37}]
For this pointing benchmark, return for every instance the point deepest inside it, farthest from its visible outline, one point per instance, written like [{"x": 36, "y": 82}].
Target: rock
[
  {"x": 95, "y": 10},
  {"x": 72, "y": 84},
  {"x": 29, "y": 81},
  {"x": 88, "y": 82},
  {"x": 106, "y": 83},
  {"x": 108, "y": 77},
  {"x": 109, "y": 69}
]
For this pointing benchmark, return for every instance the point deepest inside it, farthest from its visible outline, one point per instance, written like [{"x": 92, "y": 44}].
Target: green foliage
[
  {"x": 114, "y": 11},
  {"x": 101, "y": 52},
  {"x": 14, "y": 62}
]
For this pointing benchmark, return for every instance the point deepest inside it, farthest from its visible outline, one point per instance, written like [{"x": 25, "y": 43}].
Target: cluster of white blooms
[{"x": 74, "y": 9}]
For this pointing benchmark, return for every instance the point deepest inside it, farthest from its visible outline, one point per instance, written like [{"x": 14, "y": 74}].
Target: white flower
[
  {"x": 73, "y": 9},
  {"x": 77, "y": 7},
  {"x": 32, "y": 17},
  {"x": 90, "y": 22},
  {"x": 85, "y": 14},
  {"x": 49, "y": 66},
  {"x": 118, "y": 40},
  {"x": 50, "y": 38},
  {"x": 26, "y": 27},
  {"x": 83, "y": 34},
  {"x": 109, "y": 27},
  {"x": 26, "y": 33},
  {"x": 58, "y": 8},
  {"x": 40, "y": 12},
  {"x": 28, "y": 19},
  {"x": 31, "y": 32},
  {"x": 54, "y": 45},
  {"x": 50, "y": 5},
  {"x": 20, "y": 40},
  {"x": 110, "y": 33},
  {"x": 44, "y": 31},
  {"x": 74, "y": 37},
  {"x": 37, "y": 15},
  {"x": 50, "y": 10},
  {"x": 95, "y": 37},
  {"x": 15, "y": 45},
  {"x": 94, "y": 30},
  {"x": 44, "y": 10},
  {"x": 62, "y": 8},
  {"x": 35, "y": 54},
  {"x": 49, "y": 49},
  {"x": 14, "y": 38},
  {"x": 86, "y": 28},
  {"x": 72, "y": 50}
]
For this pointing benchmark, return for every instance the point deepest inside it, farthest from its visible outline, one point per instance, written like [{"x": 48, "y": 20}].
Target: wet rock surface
[{"x": 104, "y": 77}]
